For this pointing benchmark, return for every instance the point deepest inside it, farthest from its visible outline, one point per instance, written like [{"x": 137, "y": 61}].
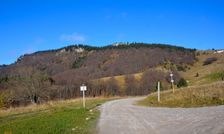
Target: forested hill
[{"x": 57, "y": 74}]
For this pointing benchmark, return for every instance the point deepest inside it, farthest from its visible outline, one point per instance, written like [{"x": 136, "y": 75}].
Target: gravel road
[{"x": 122, "y": 117}]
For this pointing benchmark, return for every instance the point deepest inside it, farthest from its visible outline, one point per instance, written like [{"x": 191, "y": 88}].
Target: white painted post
[
  {"x": 83, "y": 98},
  {"x": 83, "y": 89},
  {"x": 158, "y": 91}
]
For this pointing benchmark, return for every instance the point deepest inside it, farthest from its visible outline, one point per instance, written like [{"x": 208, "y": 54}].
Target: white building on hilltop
[{"x": 218, "y": 51}]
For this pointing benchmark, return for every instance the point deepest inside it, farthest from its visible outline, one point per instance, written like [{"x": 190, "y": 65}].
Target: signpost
[
  {"x": 158, "y": 91},
  {"x": 83, "y": 88},
  {"x": 172, "y": 81}
]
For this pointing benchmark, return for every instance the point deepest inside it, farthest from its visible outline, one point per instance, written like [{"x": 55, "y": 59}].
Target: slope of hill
[
  {"x": 57, "y": 74},
  {"x": 196, "y": 74},
  {"x": 205, "y": 80},
  {"x": 200, "y": 74}
]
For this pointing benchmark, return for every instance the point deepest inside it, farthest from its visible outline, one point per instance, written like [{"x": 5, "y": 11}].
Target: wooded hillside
[{"x": 57, "y": 74}]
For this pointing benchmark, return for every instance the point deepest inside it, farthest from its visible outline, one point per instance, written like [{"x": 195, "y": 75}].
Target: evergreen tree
[{"x": 182, "y": 83}]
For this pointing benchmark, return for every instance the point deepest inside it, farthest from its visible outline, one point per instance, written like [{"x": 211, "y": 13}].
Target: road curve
[{"x": 122, "y": 117}]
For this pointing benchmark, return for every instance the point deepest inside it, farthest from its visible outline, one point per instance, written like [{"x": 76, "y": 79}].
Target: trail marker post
[
  {"x": 158, "y": 91},
  {"x": 172, "y": 81},
  {"x": 83, "y": 88}
]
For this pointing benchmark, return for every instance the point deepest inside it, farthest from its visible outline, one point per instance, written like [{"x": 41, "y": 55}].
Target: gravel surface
[{"x": 122, "y": 117}]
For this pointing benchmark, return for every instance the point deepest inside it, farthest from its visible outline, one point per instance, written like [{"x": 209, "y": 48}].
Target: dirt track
[{"x": 122, "y": 117}]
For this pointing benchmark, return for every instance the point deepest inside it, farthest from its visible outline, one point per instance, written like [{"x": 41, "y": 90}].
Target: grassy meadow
[{"x": 56, "y": 117}]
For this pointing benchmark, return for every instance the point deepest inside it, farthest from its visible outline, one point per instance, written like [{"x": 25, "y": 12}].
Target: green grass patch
[
  {"x": 207, "y": 95},
  {"x": 217, "y": 76},
  {"x": 62, "y": 118}
]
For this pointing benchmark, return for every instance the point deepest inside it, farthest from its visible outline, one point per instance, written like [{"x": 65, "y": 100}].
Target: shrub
[
  {"x": 1, "y": 101},
  {"x": 4, "y": 79},
  {"x": 197, "y": 75},
  {"x": 209, "y": 61},
  {"x": 78, "y": 63},
  {"x": 161, "y": 86},
  {"x": 182, "y": 83},
  {"x": 181, "y": 68}
]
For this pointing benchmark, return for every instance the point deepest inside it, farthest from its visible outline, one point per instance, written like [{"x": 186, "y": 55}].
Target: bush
[
  {"x": 1, "y": 102},
  {"x": 197, "y": 75},
  {"x": 182, "y": 83},
  {"x": 209, "y": 61},
  {"x": 78, "y": 63},
  {"x": 4, "y": 79},
  {"x": 181, "y": 68},
  {"x": 161, "y": 86}
]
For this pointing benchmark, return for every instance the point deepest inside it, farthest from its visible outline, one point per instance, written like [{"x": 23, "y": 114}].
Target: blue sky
[{"x": 27, "y": 26}]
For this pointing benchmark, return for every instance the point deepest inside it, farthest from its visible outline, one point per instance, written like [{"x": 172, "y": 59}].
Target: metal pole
[{"x": 158, "y": 91}]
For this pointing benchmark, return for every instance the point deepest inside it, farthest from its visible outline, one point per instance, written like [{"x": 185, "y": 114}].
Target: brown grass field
[{"x": 193, "y": 96}]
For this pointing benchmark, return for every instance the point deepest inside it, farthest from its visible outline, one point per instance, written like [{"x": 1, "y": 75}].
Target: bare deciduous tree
[{"x": 131, "y": 85}]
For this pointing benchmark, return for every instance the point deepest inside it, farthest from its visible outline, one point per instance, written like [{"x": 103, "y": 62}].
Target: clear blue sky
[{"x": 31, "y": 25}]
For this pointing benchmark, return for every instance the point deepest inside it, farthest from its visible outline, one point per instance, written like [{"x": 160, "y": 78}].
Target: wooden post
[
  {"x": 172, "y": 86},
  {"x": 83, "y": 88},
  {"x": 158, "y": 91},
  {"x": 172, "y": 81}
]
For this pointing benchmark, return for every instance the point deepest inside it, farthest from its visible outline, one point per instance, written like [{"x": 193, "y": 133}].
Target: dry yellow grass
[
  {"x": 47, "y": 106},
  {"x": 121, "y": 78},
  {"x": 194, "y": 96},
  {"x": 204, "y": 71}
]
